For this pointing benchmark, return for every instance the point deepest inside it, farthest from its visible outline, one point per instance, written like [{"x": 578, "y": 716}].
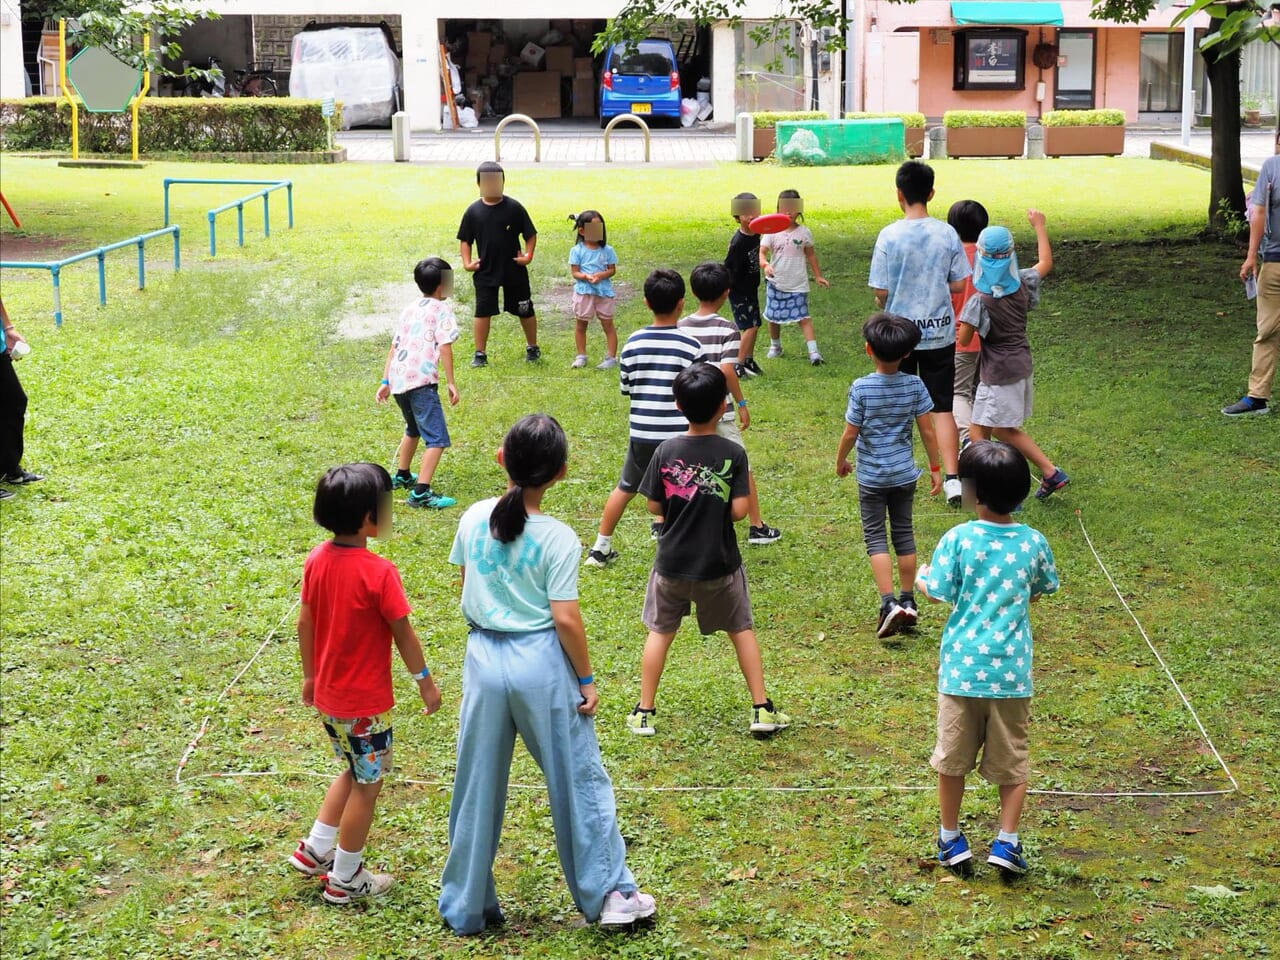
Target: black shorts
[
  {"x": 517, "y": 299},
  {"x": 639, "y": 453},
  {"x": 937, "y": 368},
  {"x": 746, "y": 310}
]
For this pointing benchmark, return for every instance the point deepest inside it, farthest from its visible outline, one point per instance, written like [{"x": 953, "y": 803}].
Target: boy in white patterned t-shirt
[{"x": 990, "y": 569}]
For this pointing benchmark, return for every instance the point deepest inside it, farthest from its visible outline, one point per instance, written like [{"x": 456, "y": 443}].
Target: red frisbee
[{"x": 770, "y": 223}]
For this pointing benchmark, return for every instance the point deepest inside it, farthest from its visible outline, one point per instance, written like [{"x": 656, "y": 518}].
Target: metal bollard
[
  {"x": 937, "y": 143},
  {"x": 400, "y": 149},
  {"x": 1035, "y": 142}
]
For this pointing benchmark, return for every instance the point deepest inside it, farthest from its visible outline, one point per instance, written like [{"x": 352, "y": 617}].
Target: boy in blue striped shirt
[
  {"x": 647, "y": 368},
  {"x": 882, "y": 406}
]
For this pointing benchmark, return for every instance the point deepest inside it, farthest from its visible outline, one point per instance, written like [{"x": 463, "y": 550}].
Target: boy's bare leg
[
  {"x": 613, "y": 509},
  {"x": 480, "y": 332},
  {"x": 652, "y": 661},
  {"x": 882, "y": 571},
  {"x": 950, "y": 794},
  {"x": 580, "y": 337},
  {"x": 335, "y": 800},
  {"x": 404, "y": 453},
  {"x": 610, "y": 337},
  {"x": 357, "y": 817},
  {"x": 907, "y": 570},
  {"x": 944, "y": 425},
  {"x": 430, "y": 460},
  {"x": 1023, "y": 443},
  {"x": 753, "y": 502},
  {"x": 530, "y": 326},
  {"x": 978, "y": 432},
  {"x": 747, "y": 346},
  {"x": 744, "y": 642},
  {"x": 1012, "y": 797}
]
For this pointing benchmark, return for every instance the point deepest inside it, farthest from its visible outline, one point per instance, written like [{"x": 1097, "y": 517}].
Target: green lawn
[{"x": 182, "y": 430}]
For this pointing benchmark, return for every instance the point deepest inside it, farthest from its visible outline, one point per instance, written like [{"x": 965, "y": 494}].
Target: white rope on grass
[{"x": 827, "y": 790}]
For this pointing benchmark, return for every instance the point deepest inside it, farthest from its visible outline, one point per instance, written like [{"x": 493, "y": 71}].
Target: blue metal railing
[{"x": 237, "y": 205}]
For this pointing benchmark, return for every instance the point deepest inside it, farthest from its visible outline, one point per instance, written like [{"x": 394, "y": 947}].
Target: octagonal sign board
[{"x": 105, "y": 84}]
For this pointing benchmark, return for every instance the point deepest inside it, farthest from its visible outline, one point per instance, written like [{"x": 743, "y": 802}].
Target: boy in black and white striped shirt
[{"x": 647, "y": 366}]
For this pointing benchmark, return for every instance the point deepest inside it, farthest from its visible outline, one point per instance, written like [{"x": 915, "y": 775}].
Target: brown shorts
[
  {"x": 722, "y": 604},
  {"x": 996, "y": 726}
]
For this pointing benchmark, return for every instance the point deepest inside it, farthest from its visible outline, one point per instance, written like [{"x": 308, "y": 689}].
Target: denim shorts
[
  {"x": 423, "y": 415},
  {"x": 363, "y": 743}
]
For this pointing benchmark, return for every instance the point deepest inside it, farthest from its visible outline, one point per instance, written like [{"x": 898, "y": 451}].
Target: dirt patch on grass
[
  {"x": 31, "y": 247},
  {"x": 372, "y": 313},
  {"x": 555, "y": 303}
]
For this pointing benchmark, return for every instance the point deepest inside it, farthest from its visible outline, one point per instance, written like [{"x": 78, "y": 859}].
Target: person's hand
[
  {"x": 744, "y": 418},
  {"x": 843, "y": 468},
  {"x": 383, "y": 394},
  {"x": 471, "y": 266},
  {"x": 1035, "y": 218},
  {"x": 430, "y": 694},
  {"x": 309, "y": 692},
  {"x": 822, "y": 281},
  {"x": 590, "y": 700},
  {"x": 454, "y": 395},
  {"x": 1249, "y": 267},
  {"x": 12, "y": 336},
  {"x": 935, "y": 482},
  {"x": 523, "y": 259},
  {"x": 768, "y": 270}
]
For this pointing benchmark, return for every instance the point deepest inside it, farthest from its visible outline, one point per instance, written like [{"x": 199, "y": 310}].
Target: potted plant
[
  {"x": 1251, "y": 105},
  {"x": 764, "y": 128},
  {"x": 985, "y": 133},
  {"x": 1079, "y": 133},
  {"x": 913, "y": 132}
]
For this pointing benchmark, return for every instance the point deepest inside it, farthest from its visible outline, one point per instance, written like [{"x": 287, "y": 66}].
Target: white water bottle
[{"x": 19, "y": 349}]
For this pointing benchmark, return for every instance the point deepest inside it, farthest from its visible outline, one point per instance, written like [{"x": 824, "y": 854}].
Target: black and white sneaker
[
  {"x": 655, "y": 529},
  {"x": 763, "y": 534},
  {"x": 21, "y": 477},
  {"x": 892, "y": 619},
  {"x": 480, "y": 359},
  {"x": 752, "y": 368},
  {"x": 600, "y": 558},
  {"x": 910, "y": 615},
  {"x": 532, "y": 354},
  {"x": 7, "y": 494}
]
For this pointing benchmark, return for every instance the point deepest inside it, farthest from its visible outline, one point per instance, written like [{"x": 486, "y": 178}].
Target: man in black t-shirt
[
  {"x": 697, "y": 483},
  {"x": 494, "y": 226}
]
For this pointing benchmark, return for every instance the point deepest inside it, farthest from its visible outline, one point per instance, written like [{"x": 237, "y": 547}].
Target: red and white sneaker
[
  {"x": 363, "y": 884},
  {"x": 306, "y": 861}
]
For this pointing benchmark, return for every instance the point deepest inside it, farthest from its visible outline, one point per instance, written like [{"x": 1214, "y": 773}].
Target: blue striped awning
[{"x": 1002, "y": 12}]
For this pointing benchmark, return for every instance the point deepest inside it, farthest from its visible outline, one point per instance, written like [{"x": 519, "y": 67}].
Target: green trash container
[{"x": 819, "y": 143}]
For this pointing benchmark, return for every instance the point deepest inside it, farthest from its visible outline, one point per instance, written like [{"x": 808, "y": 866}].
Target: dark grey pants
[{"x": 875, "y": 503}]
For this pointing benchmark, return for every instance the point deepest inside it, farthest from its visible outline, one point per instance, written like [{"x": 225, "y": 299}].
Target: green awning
[{"x": 997, "y": 12}]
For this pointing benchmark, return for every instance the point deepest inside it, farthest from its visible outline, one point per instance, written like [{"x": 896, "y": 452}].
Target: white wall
[{"x": 12, "y": 82}]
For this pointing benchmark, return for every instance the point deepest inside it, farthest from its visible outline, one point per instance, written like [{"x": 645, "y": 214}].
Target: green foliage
[
  {"x": 171, "y": 125},
  {"x": 912, "y": 120},
  {"x": 771, "y": 118},
  {"x": 1083, "y": 118},
  {"x": 117, "y": 25},
  {"x": 984, "y": 118}
]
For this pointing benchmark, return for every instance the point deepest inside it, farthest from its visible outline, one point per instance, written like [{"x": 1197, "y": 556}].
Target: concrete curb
[{"x": 1166, "y": 151}]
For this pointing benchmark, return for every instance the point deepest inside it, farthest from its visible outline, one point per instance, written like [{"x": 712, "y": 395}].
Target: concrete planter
[
  {"x": 985, "y": 141},
  {"x": 915, "y": 141},
  {"x": 1083, "y": 141},
  {"x": 764, "y": 140}
]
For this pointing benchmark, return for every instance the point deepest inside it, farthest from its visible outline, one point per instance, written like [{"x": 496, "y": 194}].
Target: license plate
[{"x": 641, "y": 108}]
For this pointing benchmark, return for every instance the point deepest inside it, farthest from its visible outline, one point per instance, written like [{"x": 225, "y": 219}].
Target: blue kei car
[{"x": 640, "y": 78}]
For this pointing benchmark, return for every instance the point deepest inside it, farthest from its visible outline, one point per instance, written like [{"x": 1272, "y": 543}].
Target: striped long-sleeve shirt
[{"x": 647, "y": 367}]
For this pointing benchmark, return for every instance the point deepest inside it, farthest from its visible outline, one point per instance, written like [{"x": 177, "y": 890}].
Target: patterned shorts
[
  {"x": 783, "y": 307},
  {"x": 363, "y": 743}
]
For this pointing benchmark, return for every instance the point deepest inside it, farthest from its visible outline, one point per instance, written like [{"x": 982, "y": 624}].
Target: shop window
[{"x": 990, "y": 59}]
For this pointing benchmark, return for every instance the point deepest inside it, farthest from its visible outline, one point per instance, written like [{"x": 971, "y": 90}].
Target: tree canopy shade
[{"x": 116, "y": 26}]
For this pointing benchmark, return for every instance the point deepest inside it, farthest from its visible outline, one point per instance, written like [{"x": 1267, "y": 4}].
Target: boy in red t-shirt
[
  {"x": 353, "y": 609},
  {"x": 968, "y": 218}
]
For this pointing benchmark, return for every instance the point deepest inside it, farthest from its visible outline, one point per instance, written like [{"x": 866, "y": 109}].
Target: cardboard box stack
[{"x": 537, "y": 94}]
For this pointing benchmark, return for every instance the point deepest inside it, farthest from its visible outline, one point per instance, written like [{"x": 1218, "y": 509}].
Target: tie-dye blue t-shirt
[{"x": 915, "y": 260}]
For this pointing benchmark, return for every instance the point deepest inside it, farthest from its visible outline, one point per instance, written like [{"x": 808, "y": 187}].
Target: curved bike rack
[
  {"x": 626, "y": 118},
  {"x": 517, "y": 118}
]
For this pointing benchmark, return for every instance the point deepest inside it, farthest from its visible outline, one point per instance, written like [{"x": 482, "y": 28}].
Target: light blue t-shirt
[
  {"x": 510, "y": 586},
  {"x": 990, "y": 572},
  {"x": 590, "y": 260},
  {"x": 915, "y": 260},
  {"x": 884, "y": 407}
]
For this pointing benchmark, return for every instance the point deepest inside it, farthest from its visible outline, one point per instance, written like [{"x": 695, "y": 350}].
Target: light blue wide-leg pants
[{"x": 523, "y": 683}]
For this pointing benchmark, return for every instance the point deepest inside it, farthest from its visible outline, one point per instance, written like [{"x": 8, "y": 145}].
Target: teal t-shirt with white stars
[{"x": 989, "y": 572}]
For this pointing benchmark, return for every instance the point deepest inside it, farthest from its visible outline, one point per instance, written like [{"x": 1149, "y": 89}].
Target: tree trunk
[{"x": 1226, "y": 188}]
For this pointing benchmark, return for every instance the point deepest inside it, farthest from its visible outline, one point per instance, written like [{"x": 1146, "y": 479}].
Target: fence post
[
  {"x": 142, "y": 264},
  {"x": 102, "y": 277},
  {"x": 213, "y": 234},
  {"x": 266, "y": 213},
  {"x": 177, "y": 250},
  {"x": 289, "y": 193},
  {"x": 55, "y": 270}
]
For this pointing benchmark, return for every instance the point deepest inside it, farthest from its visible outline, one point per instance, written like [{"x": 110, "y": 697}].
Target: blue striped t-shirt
[
  {"x": 884, "y": 406},
  {"x": 650, "y": 360}
]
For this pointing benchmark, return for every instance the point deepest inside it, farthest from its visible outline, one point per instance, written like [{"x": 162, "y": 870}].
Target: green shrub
[
  {"x": 171, "y": 125},
  {"x": 984, "y": 118},
  {"x": 1083, "y": 118},
  {"x": 910, "y": 120},
  {"x": 769, "y": 119}
]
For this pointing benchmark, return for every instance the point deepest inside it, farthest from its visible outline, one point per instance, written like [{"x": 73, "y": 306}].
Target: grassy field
[{"x": 182, "y": 430}]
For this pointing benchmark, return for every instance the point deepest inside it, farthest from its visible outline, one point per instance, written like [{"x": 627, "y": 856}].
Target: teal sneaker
[
  {"x": 430, "y": 499},
  {"x": 399, "y": 482},
  {"x": 768, "y": 719}
]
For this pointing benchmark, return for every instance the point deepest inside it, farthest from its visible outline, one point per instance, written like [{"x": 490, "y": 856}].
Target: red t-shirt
[
  {"x": 958, "y": 300},
  {"x": 354, "y": 596}
]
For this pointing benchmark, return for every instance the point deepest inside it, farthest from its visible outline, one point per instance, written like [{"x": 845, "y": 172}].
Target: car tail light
[
  {"x": 606, "y": 79},
  {"x": 675, "y": 80}
]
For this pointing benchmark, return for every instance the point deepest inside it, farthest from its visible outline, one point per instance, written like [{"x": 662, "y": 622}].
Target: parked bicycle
[{"x": 210, "y": 80}]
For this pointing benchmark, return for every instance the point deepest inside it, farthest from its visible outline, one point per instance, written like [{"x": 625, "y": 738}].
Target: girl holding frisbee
[
  {"x": 785, "y": 259},
  {"x": 528, "y": 671},
  {"x": 593, "y": 263}
]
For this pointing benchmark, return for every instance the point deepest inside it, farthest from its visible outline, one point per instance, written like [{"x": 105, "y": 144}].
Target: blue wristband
[
  {"x": 426, "y": 672},
  {"x": 386, "y": 383},
  {"x": 588, "y": 679},
  {"x": 742, "y": 402}
]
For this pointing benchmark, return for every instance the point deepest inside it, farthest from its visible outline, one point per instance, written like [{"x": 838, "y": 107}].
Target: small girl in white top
[
  {"x": 593, "y": 263},
  {"x": 785, "y": 260}
]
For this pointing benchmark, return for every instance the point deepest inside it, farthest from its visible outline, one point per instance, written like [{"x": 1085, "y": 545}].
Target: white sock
[
  {"x": 947, "y": 835},
  {"x": 346, "y": 864},
  {"x": 775, "y": 343},
  {"x": 1008, "y": 838},
  {"x": 812, "y": 345},
  {"x": 322, "y": 837},
  {"x": 603, "y": 544}
]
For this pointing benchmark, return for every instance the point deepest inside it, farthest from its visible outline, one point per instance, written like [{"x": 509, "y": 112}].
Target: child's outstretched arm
[
  {"x": 1044, "y": 252},
  {"x": 811, "y": 255},
  {"x": 384, "y": 388},
  {"x": 306, "y": 653},
  {"x": 411, "y": 653},
  {"x": 925, "y": 424},
  {"x": 847, "y": 440},
  {"x": 567, "y": 616}
]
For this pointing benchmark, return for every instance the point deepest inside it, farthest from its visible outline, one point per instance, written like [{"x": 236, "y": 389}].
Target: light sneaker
[
  {"x": 579, "y": 362},
  {"x": 815, "y": 360},
  {"x": 622, "y": 910},
  {"x": 608, "y": 363},
  {"x": 1007, "y": 856},
  {"x": 599, "y": 558},
  {"x": 763, "y": 534},
  {"x": 951, "y": 490},
  {"x": 363, "y": 884},
  {"x": 952, "y": 853},
  {"x": 892, "y": 619},
  {"x": 430, "y": 499},
  {"x": 774, "y": 352},
  {"x": 768, "y": 719},
  {"x": 1246, "y": 406},
  {"x": 640, "y": 722},
  {"x": 306, "y": 861}
]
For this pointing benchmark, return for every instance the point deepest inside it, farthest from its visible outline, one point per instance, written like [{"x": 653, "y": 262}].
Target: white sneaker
[
  {"x": 774, "y": 352},
  {"x": 951, "y": 490},
  {"x": 579, "y": 362},
  {"x": 363, "y": 884},
  {"x": 608, "y": 363},
  {"x": 621, "y": 910}
]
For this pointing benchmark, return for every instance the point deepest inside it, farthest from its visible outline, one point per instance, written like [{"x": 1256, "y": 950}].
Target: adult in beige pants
[{"x": 1263, "y": 262}]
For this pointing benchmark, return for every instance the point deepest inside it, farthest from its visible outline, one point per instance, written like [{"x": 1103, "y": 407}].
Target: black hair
[
  {"x": 915, "y": 180},
  {"x": 792, "y": 195},
  {"x": 663, "y": 291},
  {"x": 429, "y": 274},
  {"x": 534, "y": 451},
  {"x": 699, "y": 389},
  {"x": 891, "y": 337},
  {"x": 348, "y": 495},
  {"x": 968, "y": 218},
  {"x": 742, "y": 196},
  {"x": 999, "y": 474},
  {"x": 490, "y": 166},
  {"x": 586, "y": 216},
  {"x": 709, "y": 280}
]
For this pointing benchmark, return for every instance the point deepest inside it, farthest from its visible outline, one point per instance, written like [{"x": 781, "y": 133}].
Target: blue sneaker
[
  {"x": 1007, "y": 857},
  {"x": 1051, "y": 485},
  {"x": 952, "y": 853},
  {"x": 399, "y": 482},
  {"x": 430, "y": 498}
]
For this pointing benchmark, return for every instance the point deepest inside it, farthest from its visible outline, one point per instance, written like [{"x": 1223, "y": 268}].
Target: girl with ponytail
[{"x": 528, "y": 672}]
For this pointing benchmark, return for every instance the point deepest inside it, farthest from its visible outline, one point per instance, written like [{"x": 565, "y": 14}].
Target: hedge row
[
  {"x": 1083, "y": 118},
  {"x": 984, "y": 118},
  {"x": 914, "y": 121},
  {"x": 171, "y": 125},
  {"x": 769, "y": 118}
]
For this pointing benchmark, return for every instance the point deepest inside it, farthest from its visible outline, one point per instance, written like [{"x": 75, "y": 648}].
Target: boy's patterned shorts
[{"x": 363, "y": 743}]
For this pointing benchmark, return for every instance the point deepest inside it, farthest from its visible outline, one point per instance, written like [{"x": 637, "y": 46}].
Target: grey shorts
[
  {"x": 730, "y": 431},
  {"x": 722, "y": 604},
  {"x": 639, "y": 453},
  {"x": 877, "y": 503},
  {"x": 1003, "y": 405}
]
